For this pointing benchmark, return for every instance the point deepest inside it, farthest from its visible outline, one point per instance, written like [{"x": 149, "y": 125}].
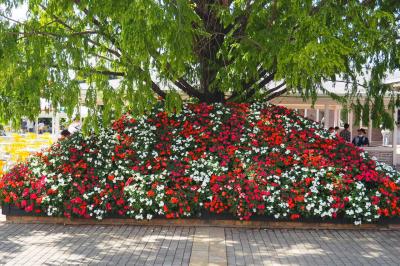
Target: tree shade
[{"x": 210, "y": 50}]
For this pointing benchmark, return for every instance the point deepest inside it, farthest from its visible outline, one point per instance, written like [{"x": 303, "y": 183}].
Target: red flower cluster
[{"x": 240, "y": 159}]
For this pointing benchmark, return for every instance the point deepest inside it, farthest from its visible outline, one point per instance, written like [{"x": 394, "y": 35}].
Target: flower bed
[{"x": 243, "y": 160}]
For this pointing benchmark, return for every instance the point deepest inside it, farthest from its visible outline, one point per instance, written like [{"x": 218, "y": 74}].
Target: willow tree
[{"x": 208, "y": 50}]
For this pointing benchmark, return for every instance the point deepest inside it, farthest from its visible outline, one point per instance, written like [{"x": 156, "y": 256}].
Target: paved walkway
[{"x": 29, "y": 244}]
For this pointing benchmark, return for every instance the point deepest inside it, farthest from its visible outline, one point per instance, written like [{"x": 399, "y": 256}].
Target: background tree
[{"x": 209, "y": 50}]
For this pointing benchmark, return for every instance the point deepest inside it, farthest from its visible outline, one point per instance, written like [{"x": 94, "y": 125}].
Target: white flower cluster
[
  {"x": 141, "y": 205},
  {"x": 144, "y": 134},
  {"x": 202, "y": 169}
]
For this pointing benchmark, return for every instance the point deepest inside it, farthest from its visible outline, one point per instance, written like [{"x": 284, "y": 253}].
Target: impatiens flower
[
  {"x": 242, "y": 159},
  {"x": 174, "y": 200},
  {"x": 294, "y": 216},
  {"x": 150, "y": 193}
]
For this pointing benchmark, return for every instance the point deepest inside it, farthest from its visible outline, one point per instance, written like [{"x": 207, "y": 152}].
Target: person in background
[
  {"x": 2, "y": 131},
  {"x": 41, "y": 128},
  {"x": 337, "y": 130},
  {"x": 24, "y": 126},
  {"x": 75, "y": 126},
  {"x": 346, "y": 133},
  {"x": 331, "y": 130},
  {"x": 31, "y": 126},
  {"x": 65, "y": 134},
  {"x": 361, "y": 140}
]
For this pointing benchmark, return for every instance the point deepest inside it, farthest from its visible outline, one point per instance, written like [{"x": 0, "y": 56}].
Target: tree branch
[
  {"x": 276, "y": 88},
  {"x": 253, "y": 89},
  {"x": 90, "y": 70},
  {"x": 181, "y": 83},
  {"x": 267, "y": 79},
  {"x": 107, "y": 72},
  {"x": 11, "y": 19},
  {"x": 46, "y": 33},
  {"x": 158, "y": 90},
  {"x": 276, "y": 94},
  {"x": 111, "y": 51},
  {"x": 97, "y": 23},
  {"x": 241, "y": 20},
  {"x": 188, "y": 89}
]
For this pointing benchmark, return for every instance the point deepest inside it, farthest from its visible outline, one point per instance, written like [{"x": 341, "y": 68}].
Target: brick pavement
[{"x": 45, "y": 244}]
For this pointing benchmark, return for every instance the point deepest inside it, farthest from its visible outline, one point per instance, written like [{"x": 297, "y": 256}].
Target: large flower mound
[{"x": 241, "y": 159}]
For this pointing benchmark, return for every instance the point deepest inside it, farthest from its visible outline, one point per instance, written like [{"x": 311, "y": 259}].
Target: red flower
[
  {"x": 33, "y": 196},
  {"x": 150, "y": 193},
  {"x": 174, "y": 200}
]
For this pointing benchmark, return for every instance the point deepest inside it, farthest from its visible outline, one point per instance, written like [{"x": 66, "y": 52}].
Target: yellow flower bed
[{"x": 17, "y": 148}]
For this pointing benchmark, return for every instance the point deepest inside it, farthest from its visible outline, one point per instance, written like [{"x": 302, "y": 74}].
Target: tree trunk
[{"x": 206, "y": 48}]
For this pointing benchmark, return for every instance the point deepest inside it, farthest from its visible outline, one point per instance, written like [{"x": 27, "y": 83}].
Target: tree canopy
[{"x": 208, "y": 50}]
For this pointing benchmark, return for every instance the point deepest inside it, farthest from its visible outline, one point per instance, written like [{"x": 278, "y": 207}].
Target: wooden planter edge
[{"x": 198, "y": 223}]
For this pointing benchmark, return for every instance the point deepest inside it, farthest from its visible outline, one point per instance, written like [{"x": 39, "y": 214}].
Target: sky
[{"x": 18, "y": 13}]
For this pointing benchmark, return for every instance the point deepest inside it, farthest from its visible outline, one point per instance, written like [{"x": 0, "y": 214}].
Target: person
[
  {"x": 346, "y": 133},
  {"x": 331, "y": 129},
  {"x": 41, "y": 126},
  {"x": 31, "y": 126},
  {"x": 65, "y": 134},
  {"x": 2, "y": 131},
  {"x": 361, "y": 140},
  {"x": 337, "y": 130},
  {"x": 75, "y": 126},
  {"x": 24, "y": 126}
]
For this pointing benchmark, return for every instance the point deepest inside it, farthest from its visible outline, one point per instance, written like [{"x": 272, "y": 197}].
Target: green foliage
[
  {"x": 173, "y": 102},
  {"x": 209, "y": 50}
]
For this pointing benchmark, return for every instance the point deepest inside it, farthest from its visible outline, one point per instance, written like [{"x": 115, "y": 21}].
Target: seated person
[{"x": 361, "y": 140}]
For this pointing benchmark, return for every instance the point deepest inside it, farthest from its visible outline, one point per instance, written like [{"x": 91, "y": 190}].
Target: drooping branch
[
  {"x": 97, "y": 23},
  {"x": 105, "y": 72},
  {"x": 154, "y": 86},
  {"x": 88, "y": 70},
  {"x": 11, "y": 19},
  {"x": 60, "y": 21},
  {"x": 181, "y": 83},
  {"x": 52, "y": 34}
]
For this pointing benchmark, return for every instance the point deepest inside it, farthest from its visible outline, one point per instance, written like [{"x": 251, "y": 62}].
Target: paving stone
[{"x": 46, "y": 244}]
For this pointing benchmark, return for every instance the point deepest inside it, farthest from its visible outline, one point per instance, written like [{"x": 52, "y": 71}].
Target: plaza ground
[{"x": 44, "y": 244}]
